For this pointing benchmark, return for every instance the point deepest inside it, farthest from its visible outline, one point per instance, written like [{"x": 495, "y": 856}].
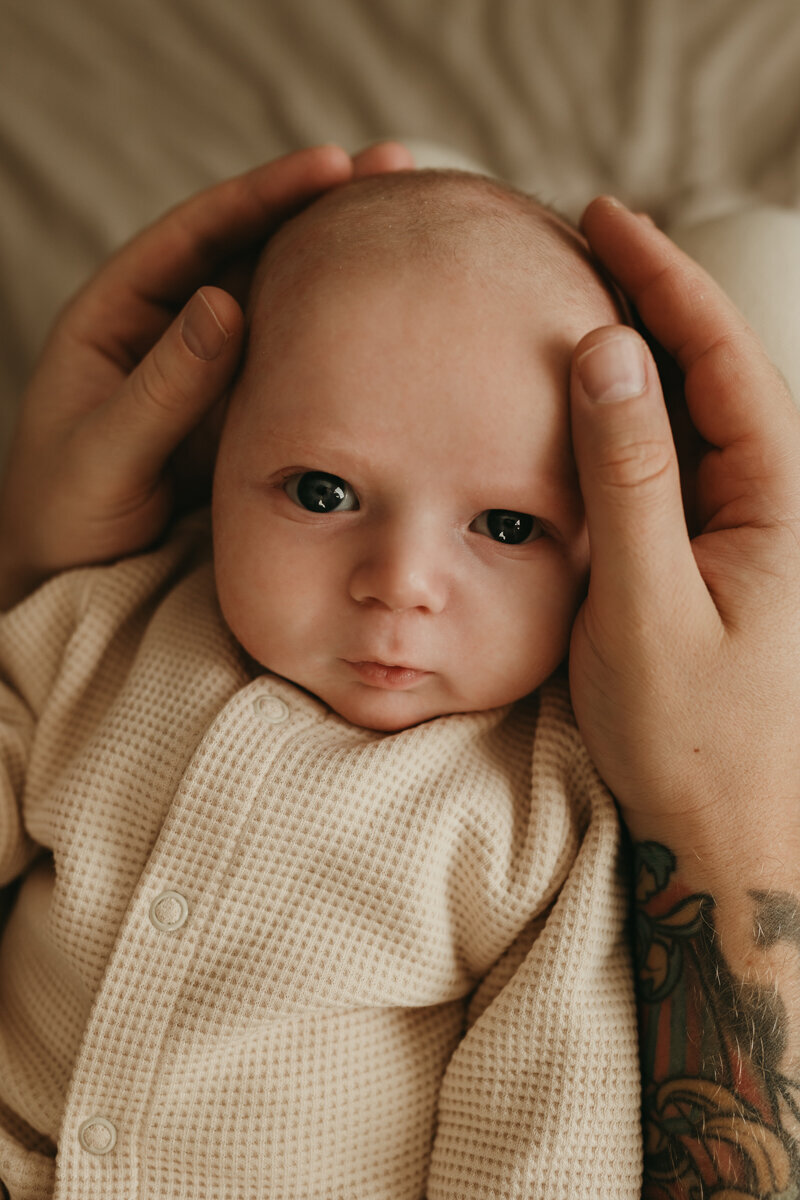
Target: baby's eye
[
  {"x": 321, "y": 493},
  {"x": 513, "y": 528}
]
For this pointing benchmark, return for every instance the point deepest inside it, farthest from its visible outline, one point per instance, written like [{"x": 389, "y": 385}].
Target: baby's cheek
[
  {"x": 235, "y": 609},
  {"x": 551, "y": 611},
  {"x": 243, "y": 600}
]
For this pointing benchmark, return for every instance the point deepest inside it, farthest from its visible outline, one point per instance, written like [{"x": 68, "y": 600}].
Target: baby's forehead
[{"x": 445, "y": 220}]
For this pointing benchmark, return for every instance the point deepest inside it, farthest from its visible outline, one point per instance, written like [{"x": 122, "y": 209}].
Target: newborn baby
[
  {"x": 319, "y": 894},
  {"x": 398, "y": 526}
]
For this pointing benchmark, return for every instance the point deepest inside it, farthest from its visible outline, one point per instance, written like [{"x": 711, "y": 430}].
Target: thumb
[
  {"x": 172, "y": 388},
  {"x": 641, "y": 556}
]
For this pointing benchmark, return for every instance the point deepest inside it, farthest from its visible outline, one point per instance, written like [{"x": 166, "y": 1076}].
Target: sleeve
[
  {"x": 51, "y": 644},
  {"x": 33, "y": 638},
  {"x": 541, "y": 1098}
]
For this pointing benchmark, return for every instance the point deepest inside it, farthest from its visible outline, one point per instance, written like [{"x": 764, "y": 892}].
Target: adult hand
[
  {"x": 130, "y": 368},
  {"x": 685, "y": 657},
  {"x": 685, "y": 668}
]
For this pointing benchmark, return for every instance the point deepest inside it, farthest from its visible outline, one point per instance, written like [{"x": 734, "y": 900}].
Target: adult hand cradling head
[
  {"x": 135, "y": 361},
  {"x": 685, "y": 657}
]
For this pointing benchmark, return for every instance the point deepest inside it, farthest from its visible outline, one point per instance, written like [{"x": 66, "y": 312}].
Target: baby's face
[{"x": 397, "y": 522}]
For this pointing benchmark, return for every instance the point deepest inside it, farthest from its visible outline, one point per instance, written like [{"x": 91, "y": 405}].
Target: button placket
[{"x": 152, "y": 966}]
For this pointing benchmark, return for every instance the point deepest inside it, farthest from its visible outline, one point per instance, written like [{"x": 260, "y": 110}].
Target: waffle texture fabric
[{"x": 252, "y": 950}]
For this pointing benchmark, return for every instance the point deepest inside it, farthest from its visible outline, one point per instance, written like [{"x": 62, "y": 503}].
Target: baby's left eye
[{"x": 512, "y": 528}]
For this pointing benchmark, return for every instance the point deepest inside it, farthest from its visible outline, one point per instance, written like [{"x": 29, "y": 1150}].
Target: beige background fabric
[{"x": 111, "y": 111}]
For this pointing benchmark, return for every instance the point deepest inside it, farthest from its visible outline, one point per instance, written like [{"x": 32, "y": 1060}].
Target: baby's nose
[{"x": 399, "y": 574}]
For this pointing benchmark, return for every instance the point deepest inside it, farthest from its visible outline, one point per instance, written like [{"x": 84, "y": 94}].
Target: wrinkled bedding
[{"x": 111, "y": 111}]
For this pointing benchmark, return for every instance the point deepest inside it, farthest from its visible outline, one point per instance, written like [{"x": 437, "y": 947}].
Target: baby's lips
[{"x": 387, "y": 675}]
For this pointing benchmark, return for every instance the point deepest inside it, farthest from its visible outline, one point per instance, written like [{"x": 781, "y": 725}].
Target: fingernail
[
  {"x": 613, "y": 369},
  {"x": 201, "y": 331},
  {"x": 614, "y": 202}
]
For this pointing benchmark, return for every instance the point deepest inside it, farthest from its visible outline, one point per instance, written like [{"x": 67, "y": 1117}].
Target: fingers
[
  {"x": 139, "y": 288},
  {"x": 384, "y": 156},
  {"x": 375, "y": 160},
  {"x": 737, "y": 400},
  {"x": 181, "y": 250},
  {"x": 732, "y": 389},
  {"x": 641, "y": 557},
  {"x": 190, "y": 243},
  {"x": 133, "y": 297},
  {"x": 163, "y": 399}
]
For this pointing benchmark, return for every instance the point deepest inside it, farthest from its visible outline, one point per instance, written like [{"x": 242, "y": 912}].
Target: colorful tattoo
[{"x": 721, "y": 1118}]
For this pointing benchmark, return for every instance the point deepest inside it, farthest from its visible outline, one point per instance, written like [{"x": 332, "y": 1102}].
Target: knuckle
[
  {"x": 636, "y": 465},
  {"x": 155, "y": 387}
]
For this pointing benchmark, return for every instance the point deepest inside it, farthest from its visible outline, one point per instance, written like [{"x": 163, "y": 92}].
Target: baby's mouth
[{"x": 385, "y": 675}]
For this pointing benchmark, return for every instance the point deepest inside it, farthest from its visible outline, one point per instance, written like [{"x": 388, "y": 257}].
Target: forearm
[{"x": 718, "y": 973}]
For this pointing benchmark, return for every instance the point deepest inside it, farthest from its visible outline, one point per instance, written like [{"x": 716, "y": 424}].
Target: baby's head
[{"x": 398, "y": 526}]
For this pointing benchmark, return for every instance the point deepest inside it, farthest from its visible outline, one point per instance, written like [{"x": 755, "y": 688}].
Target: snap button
[
  {"x": 271, "y": 708},
  {"x": 169, "y": 911},
  {"x": 97, "y": 1135}
]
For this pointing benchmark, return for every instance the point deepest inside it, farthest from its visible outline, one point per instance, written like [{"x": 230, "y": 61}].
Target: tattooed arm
[
  {"x": 722, "y": 1086},
  {"x": 685, "y": 678}
]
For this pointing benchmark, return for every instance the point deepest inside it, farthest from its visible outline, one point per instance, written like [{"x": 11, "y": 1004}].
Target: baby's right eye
[{"x": 319, "y": 492}]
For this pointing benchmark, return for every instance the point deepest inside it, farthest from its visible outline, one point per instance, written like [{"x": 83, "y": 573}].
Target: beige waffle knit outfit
[{"x": 259, "y": 952}]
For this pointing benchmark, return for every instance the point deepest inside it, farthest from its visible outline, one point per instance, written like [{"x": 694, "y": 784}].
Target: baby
[
  {"x": 397, "y": 521},
  {"x": 319, "y": 895}
]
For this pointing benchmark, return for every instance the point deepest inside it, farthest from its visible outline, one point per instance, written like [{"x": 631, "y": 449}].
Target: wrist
[{"x": 728, "y": 848}]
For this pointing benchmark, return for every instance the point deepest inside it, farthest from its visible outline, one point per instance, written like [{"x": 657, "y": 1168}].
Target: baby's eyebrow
[{"x": 302, "y": 446}]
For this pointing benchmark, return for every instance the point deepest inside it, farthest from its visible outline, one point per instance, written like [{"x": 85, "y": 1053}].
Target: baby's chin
[
  {"x": 383, "y": 711},
  {"x": 387, "y": 711}
]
